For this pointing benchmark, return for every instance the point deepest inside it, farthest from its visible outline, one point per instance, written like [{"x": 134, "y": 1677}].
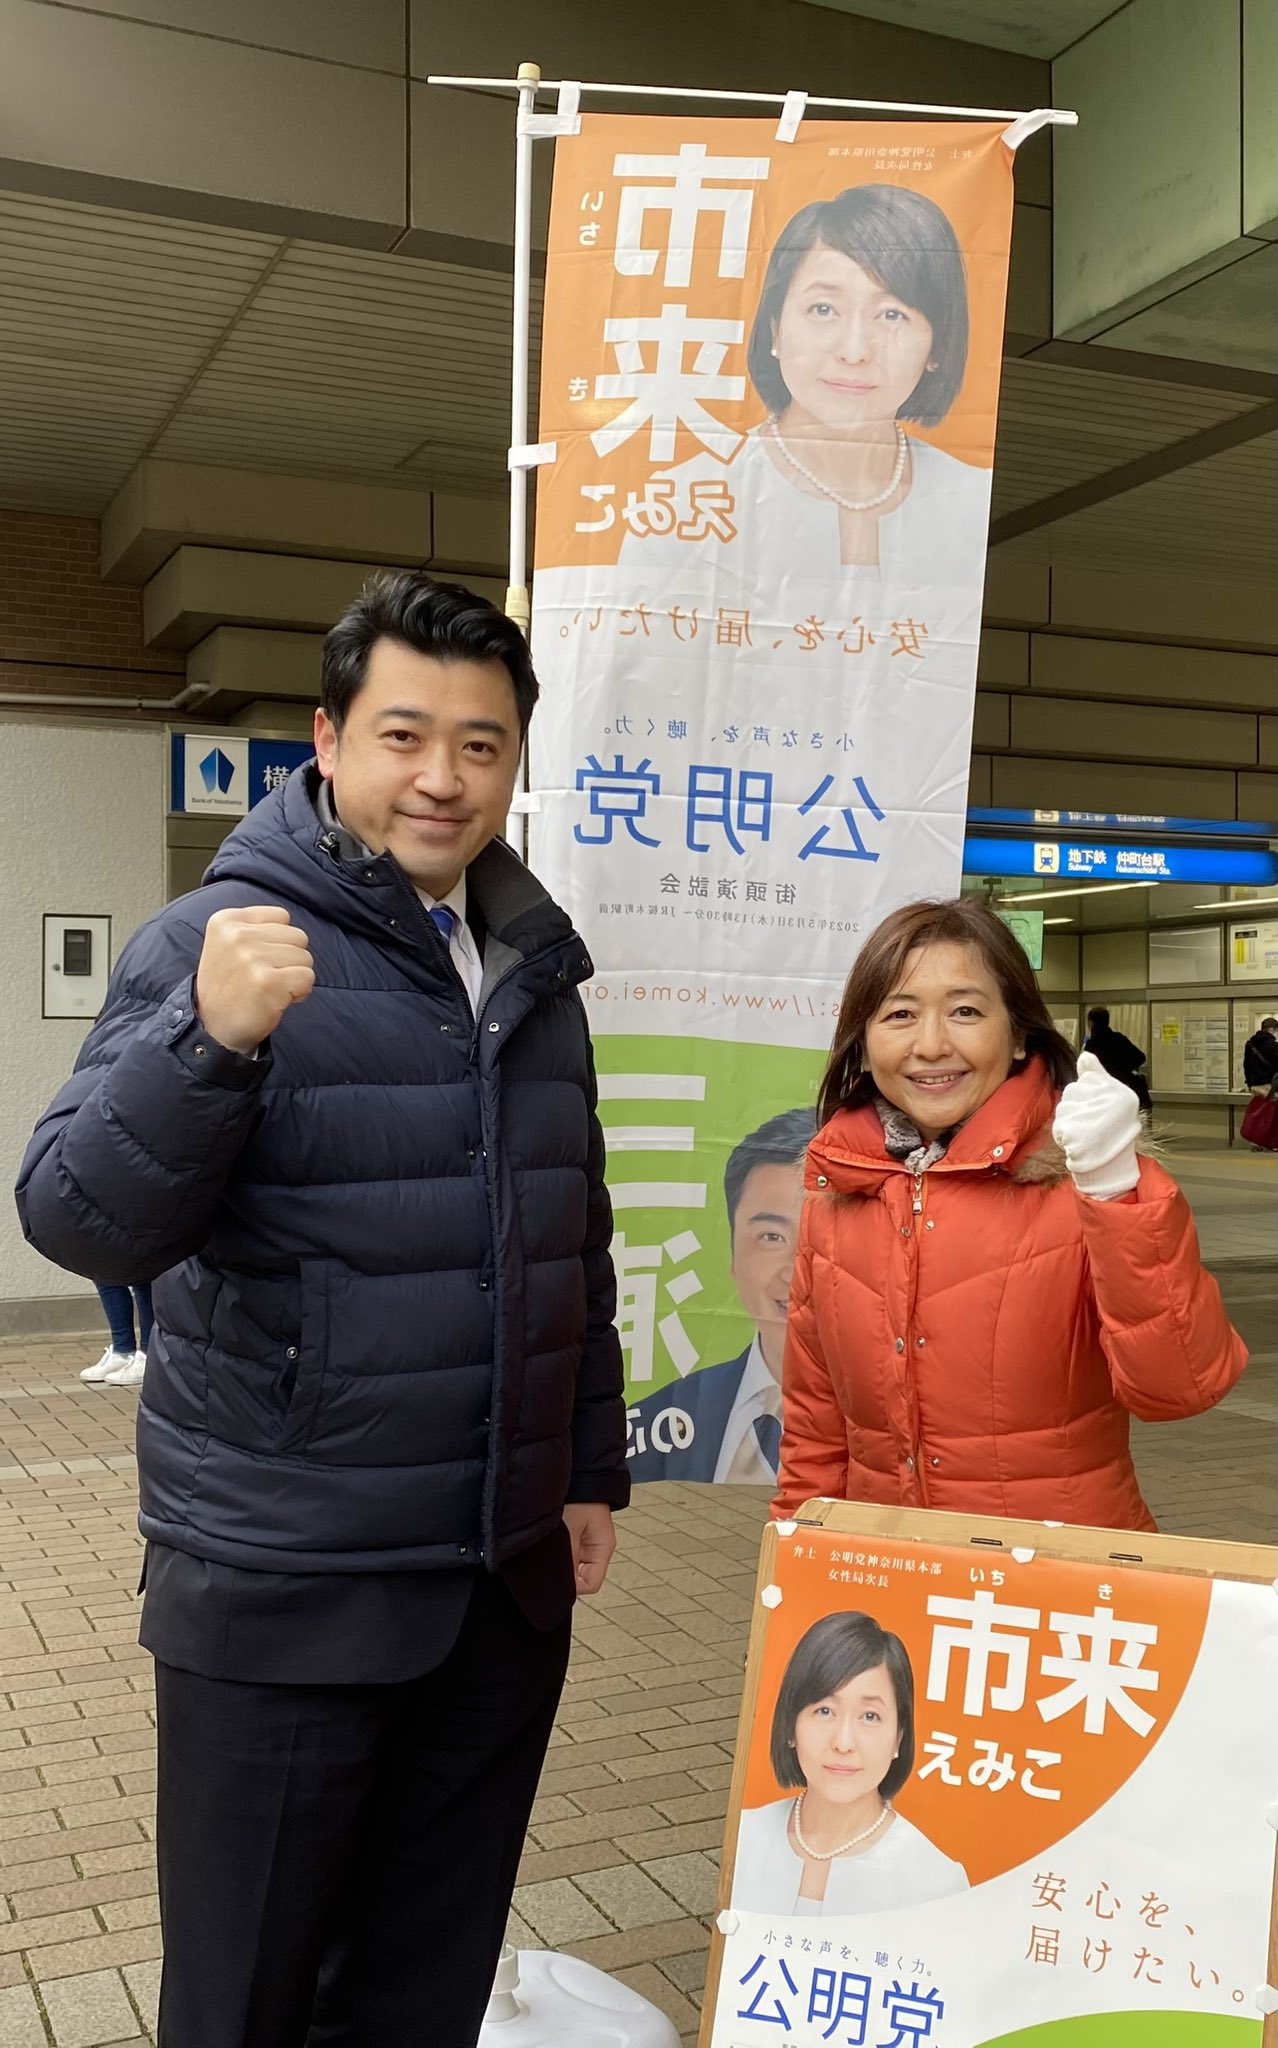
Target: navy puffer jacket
[{"x": 384, "y": 1328}]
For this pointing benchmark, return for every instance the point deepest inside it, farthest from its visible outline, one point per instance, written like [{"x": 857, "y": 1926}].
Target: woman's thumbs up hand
[{"x": 1097, "y": 1125}]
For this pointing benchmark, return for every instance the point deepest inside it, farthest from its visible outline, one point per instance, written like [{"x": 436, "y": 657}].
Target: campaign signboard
[
  {"x": 1000, "y": 1786},
  {"x": 770, "y": 372}
]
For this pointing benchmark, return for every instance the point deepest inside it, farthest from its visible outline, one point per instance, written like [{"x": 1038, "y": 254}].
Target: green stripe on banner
[{"x": 1138, "y": 2030}]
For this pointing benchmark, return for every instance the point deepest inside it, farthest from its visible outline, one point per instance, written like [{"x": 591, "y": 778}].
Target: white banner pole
[
  {"x": 517, "y": 602},
  {"x": 517, "y": 606},
  {"x": 1039, "y": 116}
]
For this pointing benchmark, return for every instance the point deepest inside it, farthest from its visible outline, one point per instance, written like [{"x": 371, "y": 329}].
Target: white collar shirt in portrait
[
  {"x": 903, "y": 1868},
  {"x": 740, "y": 1459},
  {"x": 463, "y": 951}
]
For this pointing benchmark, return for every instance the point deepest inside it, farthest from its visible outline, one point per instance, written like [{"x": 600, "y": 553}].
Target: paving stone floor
[{"x": 621, "y": 1861}]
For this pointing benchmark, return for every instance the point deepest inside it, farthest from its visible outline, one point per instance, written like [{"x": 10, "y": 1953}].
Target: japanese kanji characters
[
  {"x": 667, "y": 390},
  {"x": 721, "y": 802},
  {"x": 685, "y": 198},
  {"x": 852, "y": 2007},
  {"x": 992, "y": 1633}
]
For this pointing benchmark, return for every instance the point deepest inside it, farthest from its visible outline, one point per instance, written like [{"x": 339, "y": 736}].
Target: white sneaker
[
  {"x": 129, "y": 1374},
  {"x": 110, "y": 1362}
]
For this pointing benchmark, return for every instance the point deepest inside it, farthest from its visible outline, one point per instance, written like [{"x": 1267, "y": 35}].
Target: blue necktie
[
  {"x": 767, "y": 1430},
  {"x": 443, "y": 920}
]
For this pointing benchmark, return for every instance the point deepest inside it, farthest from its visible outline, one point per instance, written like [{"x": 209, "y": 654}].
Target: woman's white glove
[{"x": 1097, "y": 1125}]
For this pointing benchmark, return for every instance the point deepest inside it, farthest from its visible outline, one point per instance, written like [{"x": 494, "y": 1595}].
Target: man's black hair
[
  {"x": 782, "y": 1141},
  {"x": 440, "y": 619},
  {"x": 1098, "y": 1016}
]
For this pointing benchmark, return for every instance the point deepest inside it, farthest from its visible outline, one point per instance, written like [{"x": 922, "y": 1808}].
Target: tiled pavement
[{"x": 621, "y": 1862}]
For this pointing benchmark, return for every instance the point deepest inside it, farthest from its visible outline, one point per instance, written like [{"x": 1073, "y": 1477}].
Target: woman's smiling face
[
  {"x": 850, "y": 352},
  {"x": 941, "y": 1041},
  {"x": 846, "y": 1742}
]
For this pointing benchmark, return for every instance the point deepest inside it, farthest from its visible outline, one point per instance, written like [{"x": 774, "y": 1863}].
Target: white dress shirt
[
  {"x": 461, "y": 945},
  {"x": 740, "y": 1458}
]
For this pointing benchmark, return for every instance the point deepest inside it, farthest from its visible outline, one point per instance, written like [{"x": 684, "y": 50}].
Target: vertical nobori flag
[{"x": 770, "y": 373}]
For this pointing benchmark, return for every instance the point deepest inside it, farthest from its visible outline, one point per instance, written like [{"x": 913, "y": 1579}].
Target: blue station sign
[
  {"x": 1048, "y": 823},
  {"x": 1092, "y": 861}
]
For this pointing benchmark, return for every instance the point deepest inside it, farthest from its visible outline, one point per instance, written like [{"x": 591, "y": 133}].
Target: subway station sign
[
  {"x": 1094, "y": 860},
  {"x": 224, "y": 774},
  {"x": 1122, "y": 821}
]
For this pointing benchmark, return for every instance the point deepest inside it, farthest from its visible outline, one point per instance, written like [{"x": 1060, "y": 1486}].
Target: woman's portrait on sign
[
  {"x": 842, "y": 1745},
  {"x": 859, "y": 336}
]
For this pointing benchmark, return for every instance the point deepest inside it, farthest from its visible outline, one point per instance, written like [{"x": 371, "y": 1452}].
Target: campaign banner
[
  {"x": 769, "y": 387},
  {"x": 999, "y": 1799}
]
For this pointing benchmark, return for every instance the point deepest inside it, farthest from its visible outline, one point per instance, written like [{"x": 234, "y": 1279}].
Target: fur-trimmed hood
[
  {"x": 1010, "y": 1134},
  {"x": 1043, "y": 1168}
]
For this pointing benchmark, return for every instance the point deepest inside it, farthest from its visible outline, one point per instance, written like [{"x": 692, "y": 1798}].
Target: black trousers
[{"x": 336, "y": 1862}]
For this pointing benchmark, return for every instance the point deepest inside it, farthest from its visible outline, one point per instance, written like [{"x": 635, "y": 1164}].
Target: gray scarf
[{"x": 903, "y": 1140}]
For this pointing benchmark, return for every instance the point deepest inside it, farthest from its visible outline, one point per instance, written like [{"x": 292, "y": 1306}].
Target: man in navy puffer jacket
[{"x": 340, "y": 1106}]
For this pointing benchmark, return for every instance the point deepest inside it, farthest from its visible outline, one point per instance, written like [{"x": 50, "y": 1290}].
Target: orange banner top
[{"x": 684, "y": 275}]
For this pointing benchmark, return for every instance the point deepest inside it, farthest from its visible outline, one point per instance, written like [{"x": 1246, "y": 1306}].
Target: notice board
[
  {"x": 1191, "y": 1050},
  {"x": 1253, "y": 950},
  {"x": 1076, "y": 1735}
]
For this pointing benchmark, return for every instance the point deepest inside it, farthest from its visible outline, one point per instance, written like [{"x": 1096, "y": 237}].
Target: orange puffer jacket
[{"x": 975, "y": 1337}]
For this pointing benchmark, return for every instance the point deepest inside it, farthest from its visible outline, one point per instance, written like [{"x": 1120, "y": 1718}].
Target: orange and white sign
[
  {"x": 674, "y": 247},
  {"x": 769, "y": 380},
  {"x": 995, "y": 1796},
  {"x": 769, "y": 387}
]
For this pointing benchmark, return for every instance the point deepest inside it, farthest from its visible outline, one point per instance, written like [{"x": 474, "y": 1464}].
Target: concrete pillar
[{"x": 1163, "y": 226}]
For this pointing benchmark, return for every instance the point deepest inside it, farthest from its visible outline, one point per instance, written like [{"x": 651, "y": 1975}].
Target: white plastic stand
[{"x": 544, "y": 2000}]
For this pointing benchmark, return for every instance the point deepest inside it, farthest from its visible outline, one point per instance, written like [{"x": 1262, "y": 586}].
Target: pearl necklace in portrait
[
  {"x": 848, "y": 504},
  {"x": 828, "y": 1855}
]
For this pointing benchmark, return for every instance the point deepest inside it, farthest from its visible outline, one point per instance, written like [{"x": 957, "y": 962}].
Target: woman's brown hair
[{"x": 963, "y": 921}]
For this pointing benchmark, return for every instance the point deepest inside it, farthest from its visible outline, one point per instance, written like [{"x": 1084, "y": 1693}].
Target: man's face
[
  {"x": 424, "y": 767},
  {"x": 765, "y": 1237}
]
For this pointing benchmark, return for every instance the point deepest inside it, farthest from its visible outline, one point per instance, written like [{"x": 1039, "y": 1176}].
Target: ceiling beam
[
  {"x": 1152, "y": 369},
  {"x": 1129, "y": 476}
]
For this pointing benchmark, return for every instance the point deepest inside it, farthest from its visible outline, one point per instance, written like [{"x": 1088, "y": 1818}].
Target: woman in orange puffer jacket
[{"x": 989, "y": 1280}]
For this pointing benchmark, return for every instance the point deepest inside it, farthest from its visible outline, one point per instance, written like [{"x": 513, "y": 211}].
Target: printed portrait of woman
[
  {"x": 861, "y": 334},
  {"x": 842, "y": 1746}
]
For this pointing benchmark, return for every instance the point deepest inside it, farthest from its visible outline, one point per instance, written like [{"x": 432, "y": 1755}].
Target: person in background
[
  {"x": 724, "y": 1421},
  {"x": 342, "y": 1099},
  {"x": 123, "y": 1363},
  {"x": 990, "y": 1280},
  {"x": 1117, "y": 1055},
  {"x": 1260, "y": 1057}
]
